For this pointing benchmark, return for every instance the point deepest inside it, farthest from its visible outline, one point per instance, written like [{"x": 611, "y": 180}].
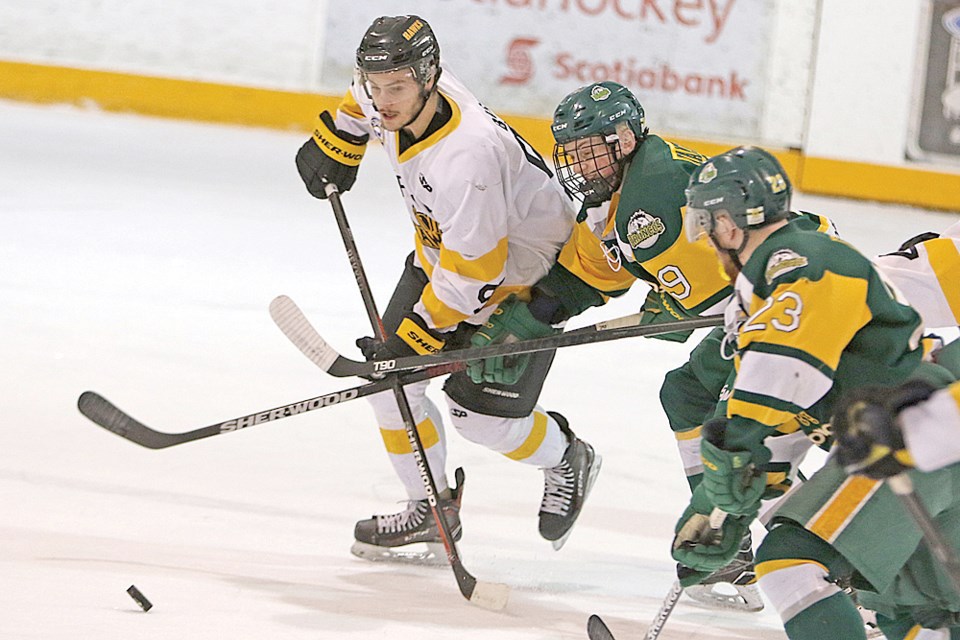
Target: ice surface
[{"x": 137, "y": 259}]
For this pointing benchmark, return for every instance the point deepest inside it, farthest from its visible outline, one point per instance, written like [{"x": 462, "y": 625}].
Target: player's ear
[
  {"x": 627, "y": 139},
  {"x": 724, "y": 226}
]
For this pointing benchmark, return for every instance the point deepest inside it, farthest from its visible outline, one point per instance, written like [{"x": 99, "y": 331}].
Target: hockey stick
[
  {"x": 598, "y": 630},
  {"x": 294, "y": 324},
  {"x": 105, "y": 414},
  {"x": 485, "y": 594},
  {"x": 902, "y": 487}
]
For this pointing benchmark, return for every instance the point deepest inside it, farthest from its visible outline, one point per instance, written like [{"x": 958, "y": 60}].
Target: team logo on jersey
[
  {"x": 599, "y": 92},
  {"x": 783, "y": 261},
  {"x": 643, "y": 230},
  {"x": 707, "y": 173},
  {"x": 428, "y": 230}
]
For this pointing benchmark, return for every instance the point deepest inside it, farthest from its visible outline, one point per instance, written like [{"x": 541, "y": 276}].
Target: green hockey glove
[
  {"x": 730, "y": 478},
  {"x": 512, "y": 321},
  {"x": 700, "y": 548},
  {"x": 658, "y": 308}
]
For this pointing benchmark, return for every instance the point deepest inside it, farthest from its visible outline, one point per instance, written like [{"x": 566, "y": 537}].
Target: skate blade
[
  {"x": 594, "y": 472},
  {"x": 434, "y": 555},
  {"x": 726, "y": 596}
]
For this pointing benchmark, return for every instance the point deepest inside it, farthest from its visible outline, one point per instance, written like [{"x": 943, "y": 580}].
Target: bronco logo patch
[
  {"x": 643, "y": 230},
  {"x": 783, "y": 261}
]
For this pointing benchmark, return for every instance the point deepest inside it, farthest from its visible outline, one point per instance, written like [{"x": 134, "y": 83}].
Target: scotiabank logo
[{"x": 519, "y": 61}]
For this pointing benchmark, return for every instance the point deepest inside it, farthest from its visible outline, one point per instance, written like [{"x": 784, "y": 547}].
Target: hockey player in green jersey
[
  {"x": 630, "y": 227},
  {"x": 816, "y": 319}
]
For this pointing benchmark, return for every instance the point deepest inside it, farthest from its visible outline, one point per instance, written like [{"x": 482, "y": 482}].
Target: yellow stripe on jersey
[
  {"x": 768, "y": 567},
  {"x": 434, "y": 137},
  {"x": 954, "y": 391},
  {"x": 846, "y": 502},
  {"x": 537, "y": 433},
  {"x": 486, "y": 268},
  {"x": 697, "y": 281},
  {"x": 914, "y": 632},
  {"x": 421, "y": 256},
  {"x": 398, "y": 442},
  {"x": 763, "y": 414},
  {"x": 814, "y": 317},
  {"x": 688, "y": 435},
  {"x": 584, "y": 257},
  {"x": 350, "y": 107},
  {"x": 945, "y": 261},
  {"x": 443, "y": 316}
]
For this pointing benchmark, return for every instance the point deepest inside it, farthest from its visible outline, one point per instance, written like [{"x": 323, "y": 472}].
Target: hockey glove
[
  {"x": 413, "y": 337},
  {"x": 866, "y": 425},
  {"x": 512, "y": 321},
  {"x": 330, "y": 156},
  {"x": 698, "y": 547},
  {"x": 658, "y": 308},
  {"x": 730, "y": 478}
]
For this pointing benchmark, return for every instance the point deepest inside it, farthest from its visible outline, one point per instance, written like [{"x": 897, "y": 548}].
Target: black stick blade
[
  {"x": 597, "y": 630},
  {"x": 103, "y": 413}
]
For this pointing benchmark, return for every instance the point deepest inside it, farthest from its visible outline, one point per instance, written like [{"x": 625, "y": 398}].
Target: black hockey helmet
[{"x": 398, "y": 42}]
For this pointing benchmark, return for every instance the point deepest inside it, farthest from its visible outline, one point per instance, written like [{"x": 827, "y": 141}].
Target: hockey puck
[{"x": 139, "y": 598}]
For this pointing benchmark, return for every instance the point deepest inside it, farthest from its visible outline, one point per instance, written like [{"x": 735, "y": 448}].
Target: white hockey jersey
[
  {"x": 928, "y": 275},
  {"x": 489, "y": 217}
]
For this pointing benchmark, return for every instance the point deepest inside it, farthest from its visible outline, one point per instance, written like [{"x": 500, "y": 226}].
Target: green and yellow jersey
[{"x": 819, "y": 319}]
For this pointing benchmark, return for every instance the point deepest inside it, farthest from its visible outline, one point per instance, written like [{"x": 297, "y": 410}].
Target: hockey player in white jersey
[{"x": 489, "y": 221}]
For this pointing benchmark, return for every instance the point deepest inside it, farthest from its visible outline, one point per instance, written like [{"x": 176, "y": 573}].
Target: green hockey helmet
[
  {"x": 747, "y": 183},
  {"x": 586, "y": 127}
]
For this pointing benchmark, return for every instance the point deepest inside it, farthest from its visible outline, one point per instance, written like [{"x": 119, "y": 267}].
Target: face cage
[{"x": 603, "y": 155}]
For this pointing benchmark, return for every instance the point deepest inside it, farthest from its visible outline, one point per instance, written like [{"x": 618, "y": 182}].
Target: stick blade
[
  {"x": 490, "y": 595},
  {"x": 597, "y": 629},
  {"x": 294, "y": 324},
  {"x": 105, "y": 414}
]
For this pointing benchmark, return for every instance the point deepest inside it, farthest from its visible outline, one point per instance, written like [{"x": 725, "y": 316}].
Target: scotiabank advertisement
[{"x": 697, "y": 66}]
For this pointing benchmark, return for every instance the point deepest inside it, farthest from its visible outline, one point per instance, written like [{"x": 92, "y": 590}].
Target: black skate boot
[
  {"x": 566, "y": 486},
  {"x": 734, "y": 586},
  {"x": 386, "y": 537}
]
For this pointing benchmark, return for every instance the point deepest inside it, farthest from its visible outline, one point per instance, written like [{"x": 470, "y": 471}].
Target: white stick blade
[
  {"x": 290, "y": 319},
  {"x": 490, "y": 595}
]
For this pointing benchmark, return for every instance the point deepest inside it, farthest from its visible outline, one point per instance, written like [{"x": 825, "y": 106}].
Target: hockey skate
[
  {"x": 734, "y": 586},
  {"x": 566, "y": 486},
  {"x": 400, "y": 537}
]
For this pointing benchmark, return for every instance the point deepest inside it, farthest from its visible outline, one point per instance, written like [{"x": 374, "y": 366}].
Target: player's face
[
  {"x": 396, "y": 95},
  {"x": 725, "y": 236},
  {"x": 592, "y": 158}
]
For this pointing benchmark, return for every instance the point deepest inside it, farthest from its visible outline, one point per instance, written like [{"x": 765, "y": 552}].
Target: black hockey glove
[
  {"x": 866, "y": 426},
  {"x": 412, "y": 338},
  {"x": 330, "y": 156}
]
